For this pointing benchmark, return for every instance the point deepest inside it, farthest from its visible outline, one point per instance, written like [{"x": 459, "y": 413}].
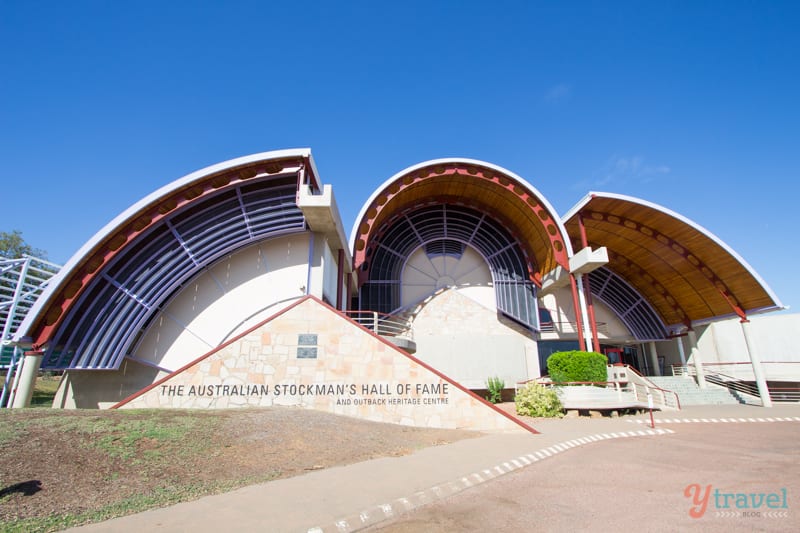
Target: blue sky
[{"x": 691, "y": 105}]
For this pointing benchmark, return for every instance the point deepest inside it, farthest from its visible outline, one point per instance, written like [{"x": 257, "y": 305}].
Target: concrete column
[
  {"x": 694, "y": 353},
  {"x": 758, "y": 371},
  {"x": 654, "y": 359},
  {"x": 30, "y": 369},
  {"x": 680, "y": 350}
]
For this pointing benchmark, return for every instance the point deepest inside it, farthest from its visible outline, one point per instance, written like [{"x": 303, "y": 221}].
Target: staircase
[
  {"x": 394, "y": 328},
  {"x": 690, "y": 394}
]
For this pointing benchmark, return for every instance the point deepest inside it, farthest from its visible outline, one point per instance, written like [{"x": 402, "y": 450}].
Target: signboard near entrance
[{"x": 355, "y": 373}]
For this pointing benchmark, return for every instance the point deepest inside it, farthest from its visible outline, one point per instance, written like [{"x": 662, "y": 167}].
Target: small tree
[
  {"x": 13, "y": 246},
  {"x": 573, "y": 366}
]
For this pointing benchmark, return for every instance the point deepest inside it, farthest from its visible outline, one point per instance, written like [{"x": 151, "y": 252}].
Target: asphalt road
[{"x": 639, "y": 484}]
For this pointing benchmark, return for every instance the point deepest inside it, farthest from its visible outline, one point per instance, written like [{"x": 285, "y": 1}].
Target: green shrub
[
  {"x": 577, "y": 366},
  {"x": 537, "y": 400},
  {"x": 495, "y": 387}
]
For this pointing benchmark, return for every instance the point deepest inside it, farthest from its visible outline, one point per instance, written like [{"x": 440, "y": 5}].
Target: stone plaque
[
  {"x": 307, "y": 339},
  {"x": 306, "y": 353}
]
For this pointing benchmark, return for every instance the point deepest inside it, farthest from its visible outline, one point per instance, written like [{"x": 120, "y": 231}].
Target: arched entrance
[{"x": 459, "y": 247}]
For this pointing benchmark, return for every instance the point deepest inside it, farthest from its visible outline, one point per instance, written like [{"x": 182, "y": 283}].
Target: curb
[
  {"x": 380, "y": 513},
  {"x": 727, "y": 420}
]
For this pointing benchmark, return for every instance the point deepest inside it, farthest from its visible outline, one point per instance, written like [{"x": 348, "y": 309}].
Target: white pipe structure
[
  {"x": 18, "y": 291},
  {"x": 10, "y": 381},
  {"x": 15, "y": 382}
]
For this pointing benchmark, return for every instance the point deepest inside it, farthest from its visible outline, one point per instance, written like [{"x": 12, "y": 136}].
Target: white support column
[
  {"x": 15, "y": 380},
  {"x": 681, "y": 352},
  {"x": 758, "y": 371},
  {"x": 8, "y": 382},
  {"x": 587, "y": 328},
  {"x": 31, "y": 362},
  {"x": 654, "y": 359},
  {"x": 694, "y": 353}
]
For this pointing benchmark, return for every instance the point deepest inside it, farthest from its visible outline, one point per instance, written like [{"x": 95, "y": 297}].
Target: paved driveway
[{"x": 640, "y": 484}]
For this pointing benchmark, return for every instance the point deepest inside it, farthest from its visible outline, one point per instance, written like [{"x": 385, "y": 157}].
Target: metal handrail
[
  {"x": 382, "y": 324},
  {"x": 648, "y": 386},
  {"x": 724, "y": 380},
  {"x": 776, "y": 394},
  {"x": 719, "y": 363},
  {"x": 640, "y": 386},
  {"x": 568, "y": 327},
  {"x": 607, "y": 384}
]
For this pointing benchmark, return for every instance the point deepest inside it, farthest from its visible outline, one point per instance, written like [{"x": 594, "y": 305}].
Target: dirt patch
[{"x": 97, "y": 464}]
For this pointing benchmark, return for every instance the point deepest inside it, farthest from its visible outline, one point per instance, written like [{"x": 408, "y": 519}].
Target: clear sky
[{"x": 691, "y": 105}]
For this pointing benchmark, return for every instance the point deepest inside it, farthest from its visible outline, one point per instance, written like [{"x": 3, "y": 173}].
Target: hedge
[{"x": 577, "y": 366}]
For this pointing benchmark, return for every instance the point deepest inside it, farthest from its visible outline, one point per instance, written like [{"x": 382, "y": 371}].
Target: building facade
[{"x": 461, "y": 263}]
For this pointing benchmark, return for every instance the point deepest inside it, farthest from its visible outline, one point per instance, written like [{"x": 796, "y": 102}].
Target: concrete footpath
[{"x": 352, "y": 497}]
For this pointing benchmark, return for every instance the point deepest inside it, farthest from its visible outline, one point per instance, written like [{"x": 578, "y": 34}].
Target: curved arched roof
[
  {"x": 117, "y": 280},
  {"x": 490, "y": 189},
  {"x": 685, "y": 272}
]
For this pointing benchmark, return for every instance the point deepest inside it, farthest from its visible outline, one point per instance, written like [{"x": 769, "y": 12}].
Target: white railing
[
  {"x": 735, "y": 383},
  {"x": 383, "y": 324},
  {"x": 569, "y": 327},
  {"x": 623, "y": 379},
  {"x": 643, "y": 388}
]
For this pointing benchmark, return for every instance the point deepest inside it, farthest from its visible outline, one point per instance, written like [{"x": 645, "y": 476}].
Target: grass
[
  {"x": 92, "y": 465},
  {"x": 151, "y": 440},
  {"x": 45, "y": 390},
  {"x": 159, "y": 497},
  {"x": 120, "y": 434}
]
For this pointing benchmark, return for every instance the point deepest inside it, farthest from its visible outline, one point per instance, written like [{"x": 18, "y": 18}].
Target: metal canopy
[
  {"x": 102, "y": 326},
  {"x": 629, "y": 305},
  {"x": 91, "y": 315},
  {"x": 687, "y": 274}
]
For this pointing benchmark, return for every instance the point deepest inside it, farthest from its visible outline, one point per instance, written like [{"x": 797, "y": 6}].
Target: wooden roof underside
[
  {"x": 497, "y": 195},
  {"x": 685, "y": 273}
]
